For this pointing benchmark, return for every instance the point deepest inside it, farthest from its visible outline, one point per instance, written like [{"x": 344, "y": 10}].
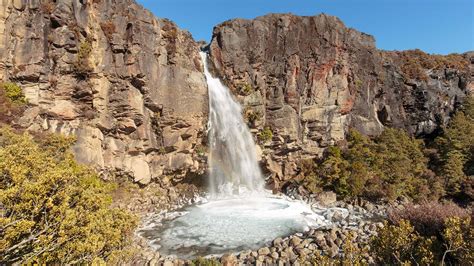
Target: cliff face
[
  {"x": 128, "y": 85},
  {"x": 310, "y": 79}
]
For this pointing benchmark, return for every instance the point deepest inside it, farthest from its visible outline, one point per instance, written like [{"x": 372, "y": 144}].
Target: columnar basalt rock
[
  {"x": 310, "y": 79},
  {"x": 128, "y": 85}
]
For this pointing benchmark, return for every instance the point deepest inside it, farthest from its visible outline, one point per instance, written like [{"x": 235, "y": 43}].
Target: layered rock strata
[
  {"x": 129, "y": 86},
  {"x": 310, "y": 79}
]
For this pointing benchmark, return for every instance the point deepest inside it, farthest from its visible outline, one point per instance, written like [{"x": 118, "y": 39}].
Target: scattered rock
[
  {"x": 264, "y": 251},
  {"x": 228, "y": 260},
  {"x": 295, "y": 241},
  {"x": 168, "y": 263},
  {"x": 275, "y": 255},
  {"x": 326, "y": 198}
]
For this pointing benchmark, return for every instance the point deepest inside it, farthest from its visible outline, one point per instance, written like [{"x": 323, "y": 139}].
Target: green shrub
[
  {"x": 53, "y": 210},
  {"x": 82, "y": 67},
  {"x": 309, "y": 176},
  {"x": 401, "y": 245},
  {"x": 200, "y": 149},
  {"x": 456, "y": 152},
  {"x": 14, "y": 93},
  {"x": 252, "y": 116},
  {"x": 265, "y": 135},
  {"x": 458, "y": 242},
  {"x": 389, "y": 166},
  {"x": 12, "y": 102},
  {"x": 358, "y": 84},
  {"x": 8, "y": 110},
  {"x": 162, "y": 151},
  {"x": 245, "y": 89}
]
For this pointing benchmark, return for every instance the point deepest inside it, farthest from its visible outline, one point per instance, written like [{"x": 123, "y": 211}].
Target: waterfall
[
  {"x": 240, "y": 214},
  {"x": 233, "y": 166}
]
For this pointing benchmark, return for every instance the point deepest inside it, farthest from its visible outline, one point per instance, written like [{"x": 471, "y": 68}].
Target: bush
[
  {"x": 12, "y": 103},
  {"x": 428, "y": 218},
  {"x": 458, "y": 241},
  {"x": 390, "y": 166},
  {"x": 14, "y": 93},
  {"x": 401, "y": 164},
  {"x": 245, "y": 89},
  {"x": 82, "y": 67},
  {"x": 53, "y": 210},
  {"x": 308, "y": 176},
  {"x": 401, "y": 245},
  {"x": 200, "y": 150},
  {"x": 265, "y": 135},
  {"x": 200, "y": 261},
  {"x": 415, "y": 63},
  {"x": 252, "y": 116}
]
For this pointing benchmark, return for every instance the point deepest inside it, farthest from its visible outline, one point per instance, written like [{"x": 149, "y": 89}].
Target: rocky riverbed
[{"x": 355, "y": 223}]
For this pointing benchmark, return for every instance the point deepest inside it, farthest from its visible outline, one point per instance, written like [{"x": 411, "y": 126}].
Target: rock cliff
[
  {"x": 129, "y": 86},
  {"x": 310, "y": 79}
]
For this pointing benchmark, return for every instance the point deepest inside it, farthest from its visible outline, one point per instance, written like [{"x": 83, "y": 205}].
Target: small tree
[
  {"x": 14, "y": 93},
  {"x": 53, "y": 210},
  {"x": 456, "y": 148},
  {"x": 82, "y": 67},
  {"x": 458, "y": 240},
  {"x": 401, "y": 245}
]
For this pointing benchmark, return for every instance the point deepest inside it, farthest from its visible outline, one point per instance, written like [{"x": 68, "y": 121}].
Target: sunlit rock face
[
  {"x": 312, "y": 79},
  {"x": 143, "y": 106}
]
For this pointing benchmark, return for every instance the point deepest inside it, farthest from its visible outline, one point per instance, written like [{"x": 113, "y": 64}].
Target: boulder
[
  {"x": 295, "y": 241},
  {"x": 264, "y": 251},
  {"x": 228, "y": 260},
  {"x": 326, "y": 198}
]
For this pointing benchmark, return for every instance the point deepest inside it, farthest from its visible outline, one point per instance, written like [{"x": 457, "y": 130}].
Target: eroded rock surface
[
  {"x": 128, "y": 85},
  {"x": 310, "y": 79}
]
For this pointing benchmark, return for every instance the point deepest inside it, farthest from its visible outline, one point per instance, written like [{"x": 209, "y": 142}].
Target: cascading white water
[
  {"x": 233, "y": 167},
  {"x": 240, "y": 214}
]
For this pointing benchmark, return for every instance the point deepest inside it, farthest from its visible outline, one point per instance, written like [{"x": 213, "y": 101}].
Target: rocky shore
[{"x": 352, "y": 224}]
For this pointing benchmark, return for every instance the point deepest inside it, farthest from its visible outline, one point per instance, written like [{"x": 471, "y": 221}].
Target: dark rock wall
[{"x": 312, "y": 79}]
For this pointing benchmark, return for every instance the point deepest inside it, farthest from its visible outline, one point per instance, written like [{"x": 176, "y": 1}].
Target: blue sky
[{"x": 435, "y": 26}]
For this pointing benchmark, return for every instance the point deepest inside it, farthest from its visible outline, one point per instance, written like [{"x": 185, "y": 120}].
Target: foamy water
[
  {"x": 231, "y": 225},
  {"x": 239, "y": 214}
]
